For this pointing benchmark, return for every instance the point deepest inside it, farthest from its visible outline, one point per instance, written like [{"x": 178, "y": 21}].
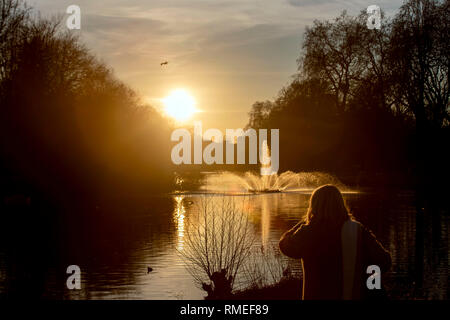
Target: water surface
[{"x": 114, "y": 256}]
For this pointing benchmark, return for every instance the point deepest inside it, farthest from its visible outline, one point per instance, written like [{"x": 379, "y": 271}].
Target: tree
[
  {"x": 13, "y": 17},
  {"x": 259, "y": 113},
  {"x": 331, "y": 54},
  {"x": 359, "y": 92},
  {"x": 217, "y": 241},
  {"x": 419, "y": 58},
  {"x": 89, "y": 135}
]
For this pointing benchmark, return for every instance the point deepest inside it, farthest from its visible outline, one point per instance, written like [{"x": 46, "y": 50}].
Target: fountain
[
  {"x": 268, "y": 181},
  {"x": 255, "y": 183}
]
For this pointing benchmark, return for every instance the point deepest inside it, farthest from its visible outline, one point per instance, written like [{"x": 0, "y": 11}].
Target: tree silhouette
[
  {"x": 362, "y": 98},
  {"x": 70, "y": 129}
]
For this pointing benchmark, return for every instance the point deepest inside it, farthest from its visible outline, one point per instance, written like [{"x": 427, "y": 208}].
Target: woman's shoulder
[
  {"x": 364, "y": 229},
  {"x": 358, "y": 224}
]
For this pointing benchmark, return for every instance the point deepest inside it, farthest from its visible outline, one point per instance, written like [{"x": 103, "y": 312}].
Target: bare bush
[{"x": 217, "y": 241}]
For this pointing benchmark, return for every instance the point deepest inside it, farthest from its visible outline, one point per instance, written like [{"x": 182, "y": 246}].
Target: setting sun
[{"x": 180, "y": 105}]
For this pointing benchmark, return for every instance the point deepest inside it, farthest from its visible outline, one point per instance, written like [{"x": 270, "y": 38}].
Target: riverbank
[{"x": 286, "y": 289}]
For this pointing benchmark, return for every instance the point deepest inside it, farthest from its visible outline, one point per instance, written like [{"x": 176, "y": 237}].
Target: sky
[{"x": 226, "y": 53}]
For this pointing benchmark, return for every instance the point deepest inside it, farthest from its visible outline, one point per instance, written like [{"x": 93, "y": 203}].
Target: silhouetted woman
[{"x": 334, "y": 248}]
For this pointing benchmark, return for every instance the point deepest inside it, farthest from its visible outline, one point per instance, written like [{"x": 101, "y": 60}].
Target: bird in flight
[{"x": 164, "y": 63}]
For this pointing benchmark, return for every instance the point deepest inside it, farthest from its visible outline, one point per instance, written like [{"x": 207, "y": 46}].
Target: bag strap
[{"x": 349, "y": 239}]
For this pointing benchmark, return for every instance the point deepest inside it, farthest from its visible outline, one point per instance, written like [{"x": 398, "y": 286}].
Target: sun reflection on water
[
  {"x": 179, "y": 215},
  {"x": 265, "y": 221}
]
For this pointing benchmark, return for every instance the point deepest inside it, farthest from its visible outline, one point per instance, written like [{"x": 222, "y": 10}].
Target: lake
[{"x": 114, "y": 254}]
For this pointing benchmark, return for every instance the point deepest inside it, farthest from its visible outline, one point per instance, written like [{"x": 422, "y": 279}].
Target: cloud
[
  {"x": 104, "y": 22},
  {"x": 351, "y": 6},
  {"x": 305, "y": 3}
]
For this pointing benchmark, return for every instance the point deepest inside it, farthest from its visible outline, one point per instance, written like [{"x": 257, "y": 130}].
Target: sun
[{"x": 180, "y": 105}]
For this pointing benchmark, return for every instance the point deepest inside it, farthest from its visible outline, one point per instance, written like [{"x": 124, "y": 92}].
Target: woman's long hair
[{"x": 327, "y": 208}]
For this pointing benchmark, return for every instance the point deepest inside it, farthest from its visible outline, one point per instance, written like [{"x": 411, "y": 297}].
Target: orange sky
[{"x": 227, "y": 53}]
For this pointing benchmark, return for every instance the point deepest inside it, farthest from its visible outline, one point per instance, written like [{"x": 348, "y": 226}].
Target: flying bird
[{"x": 164, "y": 63}]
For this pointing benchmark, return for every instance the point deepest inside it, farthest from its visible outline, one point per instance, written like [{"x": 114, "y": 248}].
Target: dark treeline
[
  {"x": 79, "y": 151},
  {"x": 71, "y": 132},
  {"x": 368, "y": 103}
]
